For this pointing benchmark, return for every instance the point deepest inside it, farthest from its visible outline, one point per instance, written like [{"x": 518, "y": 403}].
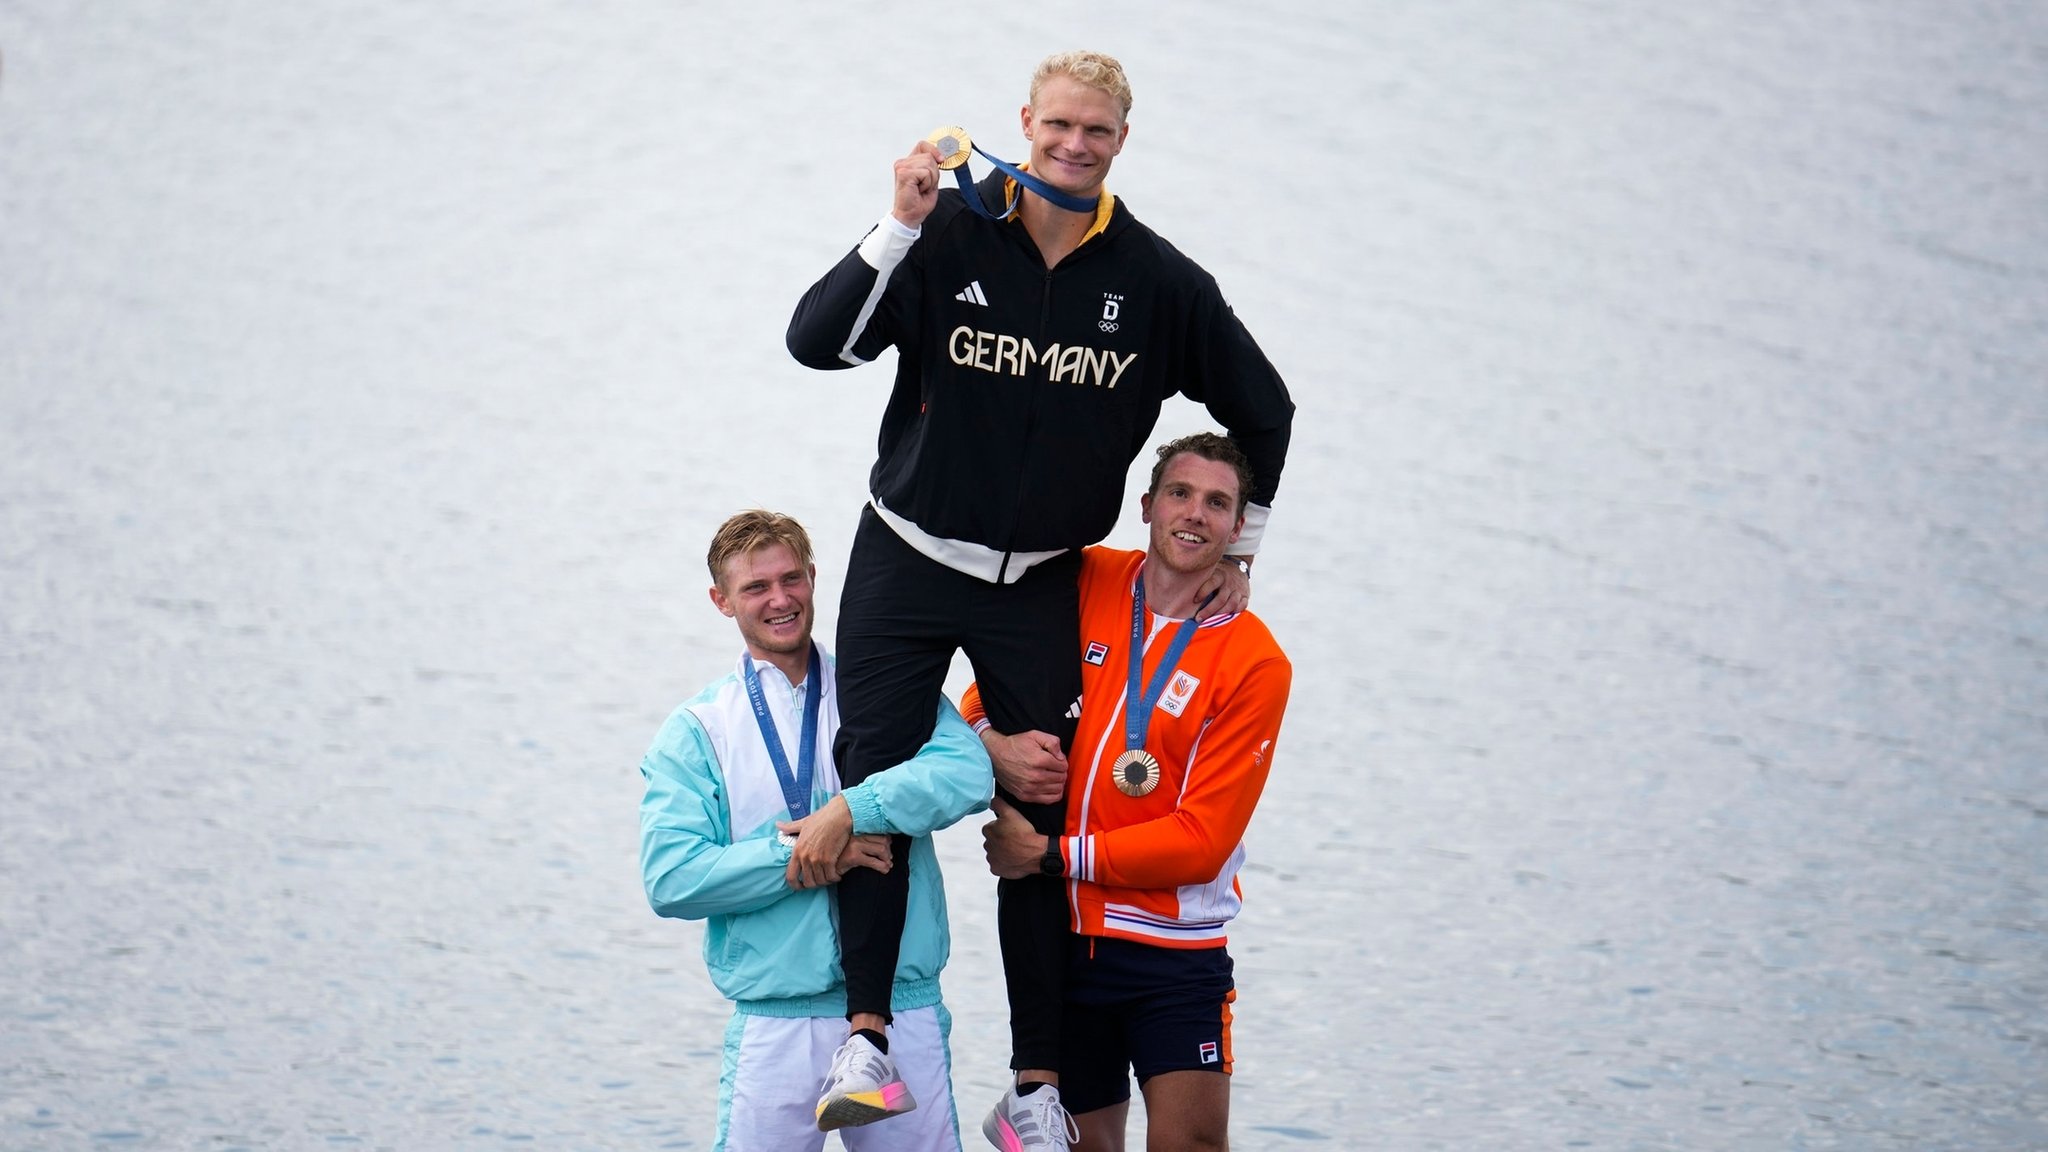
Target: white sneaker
[
  {"x": 1030, "y": 1123},
  {"x": 862, "y": 1087}
]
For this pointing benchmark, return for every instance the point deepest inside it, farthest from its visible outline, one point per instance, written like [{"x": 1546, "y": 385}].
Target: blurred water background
[{"x": 1663, "y": 552}]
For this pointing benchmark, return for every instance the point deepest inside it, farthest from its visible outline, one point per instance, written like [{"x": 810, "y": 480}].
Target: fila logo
[
  {"x": 1112, "y": 304},
  {"x": 972, "y": 294},
  {"x": 1178, "y": 692},
  {"x": 1097, "y": 653},
  {"x": 1208, "y": 1052}
]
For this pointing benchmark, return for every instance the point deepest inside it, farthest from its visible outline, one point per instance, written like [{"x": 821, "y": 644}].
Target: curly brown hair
[{"x": 1209, "y": 446}]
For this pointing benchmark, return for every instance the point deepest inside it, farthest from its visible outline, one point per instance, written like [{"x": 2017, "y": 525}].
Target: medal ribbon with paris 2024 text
[
  {"x": 796, "y": 786},
  {"x": 1139, "y": 717}
]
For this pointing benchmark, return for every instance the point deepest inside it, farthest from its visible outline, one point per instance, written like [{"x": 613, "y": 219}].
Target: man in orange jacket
[{"x": 1175, "y": 739}]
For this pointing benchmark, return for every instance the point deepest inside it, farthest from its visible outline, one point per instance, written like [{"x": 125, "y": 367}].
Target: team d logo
[{"x": 1112, "y": 304}]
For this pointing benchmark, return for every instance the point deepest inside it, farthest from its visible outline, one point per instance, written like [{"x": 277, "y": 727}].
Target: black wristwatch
[
  {"x": 1243, "y": 565},
  {"x": 1051, "y": 864}
]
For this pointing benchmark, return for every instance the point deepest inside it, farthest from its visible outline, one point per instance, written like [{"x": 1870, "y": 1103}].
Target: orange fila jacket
[{"x": 1162, "y": 868}]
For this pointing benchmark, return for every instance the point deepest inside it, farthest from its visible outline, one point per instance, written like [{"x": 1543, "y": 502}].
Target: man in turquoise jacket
[{"x": 743, "y": 826}]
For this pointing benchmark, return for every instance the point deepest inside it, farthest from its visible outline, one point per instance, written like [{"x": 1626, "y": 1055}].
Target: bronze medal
[
  {"x": 1135, "y": 772},
  {"x": 953, "y": 145}
]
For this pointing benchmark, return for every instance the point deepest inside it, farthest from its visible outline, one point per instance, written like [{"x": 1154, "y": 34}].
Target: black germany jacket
[{"x": 1022, "y": 393}]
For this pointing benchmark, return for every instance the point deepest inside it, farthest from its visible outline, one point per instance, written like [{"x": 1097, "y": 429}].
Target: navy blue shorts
[{"x": 1137, "y": 1008}]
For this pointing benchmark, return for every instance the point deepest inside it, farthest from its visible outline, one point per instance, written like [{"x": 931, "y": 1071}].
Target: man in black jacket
[{"x": 1033, "y": 354}]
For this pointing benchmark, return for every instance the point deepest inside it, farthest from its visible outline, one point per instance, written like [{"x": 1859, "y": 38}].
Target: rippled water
[{"x": 1663, "y": 552}]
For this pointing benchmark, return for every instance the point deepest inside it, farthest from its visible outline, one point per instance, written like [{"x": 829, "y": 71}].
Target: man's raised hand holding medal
[{"x": 917, "y": 185}]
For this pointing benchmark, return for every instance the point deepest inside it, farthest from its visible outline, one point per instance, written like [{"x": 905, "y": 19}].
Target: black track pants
[{"x": 901, "y": 618}]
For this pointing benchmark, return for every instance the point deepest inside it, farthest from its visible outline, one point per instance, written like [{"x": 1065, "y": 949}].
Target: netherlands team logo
[{"x": 1178, "y": 692}]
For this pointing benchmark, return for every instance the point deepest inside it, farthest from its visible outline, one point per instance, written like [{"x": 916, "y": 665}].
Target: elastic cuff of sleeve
[
  {"x": 981, "y": 725},
  {"x": 884, "y": 245},
  {"x": 1255, "y": 517},
  {"x": 866, "y": 809}
]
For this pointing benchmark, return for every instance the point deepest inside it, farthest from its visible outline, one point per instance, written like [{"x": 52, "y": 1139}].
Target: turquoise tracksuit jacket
[{"x": 708, "y": 848}]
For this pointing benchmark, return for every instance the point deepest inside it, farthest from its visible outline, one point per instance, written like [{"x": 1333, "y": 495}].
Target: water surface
[{"x": 1663, "y": 551}]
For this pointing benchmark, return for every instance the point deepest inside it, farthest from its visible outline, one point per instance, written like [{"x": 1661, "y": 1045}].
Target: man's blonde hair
[
  {"x": 1092, "y": 69},
  {"x": 755, "y": 528}
]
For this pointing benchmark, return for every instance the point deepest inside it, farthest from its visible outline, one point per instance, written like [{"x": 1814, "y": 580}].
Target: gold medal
[
  {"x": 953, "y": 145},
  {"x": 1135, "y": 772}
]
